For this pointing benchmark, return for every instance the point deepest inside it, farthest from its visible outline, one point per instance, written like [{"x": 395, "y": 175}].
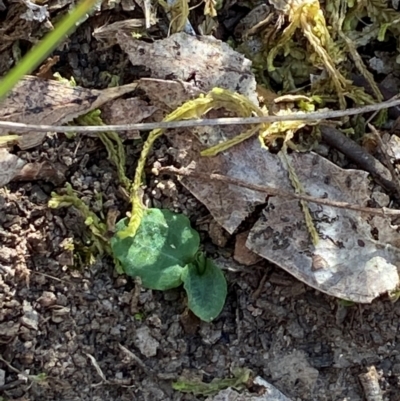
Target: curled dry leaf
[
  {"x": 38, "y": 101},
  {"x": 107, "y": 33},
  {"x": 45, "y": 70},
  {"x": 216, "y": 63}
]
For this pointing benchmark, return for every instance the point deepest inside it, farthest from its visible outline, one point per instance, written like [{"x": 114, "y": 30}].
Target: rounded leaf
[
  {"x": 206, "y": 289},
  {"x": 162, "y": 246}
]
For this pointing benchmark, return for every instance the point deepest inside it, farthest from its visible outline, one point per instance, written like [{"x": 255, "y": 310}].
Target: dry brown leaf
[
  {"x": 46, "y": 171},
  {"x": 168, "y": 95},
  {"x": 45, "y": 71},
  {"x": 127, "y": 111},
  {"x": 10, "y": 166},
  {"x": 107, "y": 33},
  {"x": 242, "y": 254},
  {"x": 228, "y": 204},
  {"x": 37, "y": 101},
  {"x": 348, "y": 262},
  {"x": 206, "y": 61},
  {"x": 356, "y": 257}
]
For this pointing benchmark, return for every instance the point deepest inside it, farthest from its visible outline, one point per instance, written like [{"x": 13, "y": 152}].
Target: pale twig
[
  {"x": 315, "y": 116},
  {"x": 280, "y": 192}
]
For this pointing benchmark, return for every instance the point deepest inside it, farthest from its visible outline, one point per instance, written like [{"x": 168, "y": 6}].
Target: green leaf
[
  {"x": 163, "y": 245},
  {"x": 206, "y": 288}
]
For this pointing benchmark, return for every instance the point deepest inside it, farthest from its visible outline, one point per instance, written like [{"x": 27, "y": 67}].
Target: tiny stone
[
  {"x": 2, "y": 377},
  {"x": 396, "y": 369},
  {"x": 381, "y": 199},
  {"x": 120, "y": 282},
  {"x": 145, "y": 342},
  {"x": 30, "y": 319},
  {"x": 85, "y": 48},
  {"x": 47, "y": 299}
]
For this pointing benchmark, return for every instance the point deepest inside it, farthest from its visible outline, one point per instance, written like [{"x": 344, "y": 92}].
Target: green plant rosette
[{"x": 163, "y": 245}]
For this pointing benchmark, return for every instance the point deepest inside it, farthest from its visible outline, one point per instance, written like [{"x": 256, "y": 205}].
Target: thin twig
[
  {"x": 31, "y": 378},
  {"x": 280, "y": 192},
  {"x": 358, "y": 155},
  {"x": 316, "y": 116},
  {"x": 9, "y": 386},
  {"x": 388, "y": 162}
]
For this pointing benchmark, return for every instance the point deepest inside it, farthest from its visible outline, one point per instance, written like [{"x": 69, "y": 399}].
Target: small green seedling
[{"x": 164, "y": 253}]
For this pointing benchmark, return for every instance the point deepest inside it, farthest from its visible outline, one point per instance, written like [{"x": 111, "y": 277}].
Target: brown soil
[{"x": 89, "y": 334}]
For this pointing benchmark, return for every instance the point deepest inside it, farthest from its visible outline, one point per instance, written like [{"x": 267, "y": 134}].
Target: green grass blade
[{"x": 39, "y": 52}]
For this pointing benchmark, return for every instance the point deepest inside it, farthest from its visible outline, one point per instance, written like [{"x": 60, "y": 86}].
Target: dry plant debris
[
  {"x": 356, "y": 255},
  {"x": 266, "y": 392},
  {"x": 51, "y": 102},
  {"x": 107, "y": 33},
  {"x": 206, "y": 61},
  {"x": 348, "y": 262},
  {"x": 370, "y": 384}
]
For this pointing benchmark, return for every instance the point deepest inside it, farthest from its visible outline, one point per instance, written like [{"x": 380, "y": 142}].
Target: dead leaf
[
  {"x": 168, "y": 95},
  {"x": 127, "y": 111},
  {"x": 128, "y": 5},
  {"x": 354, "y": 259},
  {"x": 10, "y": 165},
  {"x": 242, "y": 254},
  {"x": 392, "y": 146},
  {"x": 206, "y": 61},
  {"x": 57, "y": 5},
  {"x": 348, "y": 262},
  {"x": 37, "y": 101},
  {"x": 45, "y": 71},
  {"x": 264, "y": 392},
  {"x": 46, "y": 171},
  {"x": 228, "y": 204},
  {"x": 107, "y": 33}
]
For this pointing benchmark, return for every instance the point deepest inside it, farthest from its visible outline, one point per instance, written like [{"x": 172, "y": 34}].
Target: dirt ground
[{"x": 89, "y": 334}]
